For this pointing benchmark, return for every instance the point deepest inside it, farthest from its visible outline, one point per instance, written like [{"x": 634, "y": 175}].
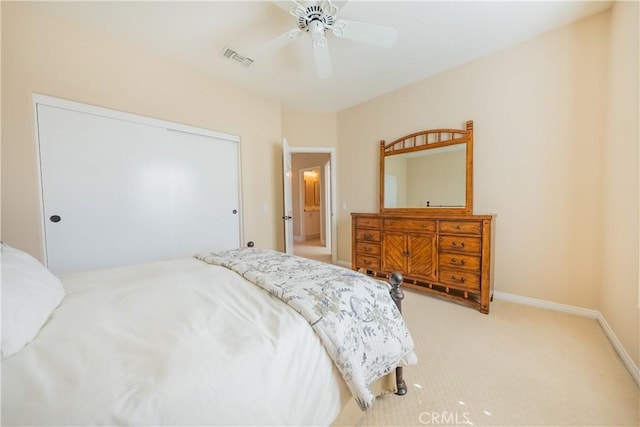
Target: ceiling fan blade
[
  {"x": 376, "y": 35},
  {"x": 274, "y": 44},
  {"x": 322, "y": 58}
]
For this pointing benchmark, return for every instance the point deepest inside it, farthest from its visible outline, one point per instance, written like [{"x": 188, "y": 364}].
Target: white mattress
[{"x": 171, "y": 343}]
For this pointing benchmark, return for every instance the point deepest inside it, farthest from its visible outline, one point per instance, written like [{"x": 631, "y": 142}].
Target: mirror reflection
[
  {"x": 430, "y": 178},
  {"x": 311, "y": 190}
]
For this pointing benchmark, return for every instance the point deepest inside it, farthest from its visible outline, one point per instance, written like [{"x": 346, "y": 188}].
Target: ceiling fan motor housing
[{"x": 314, "y": 13}]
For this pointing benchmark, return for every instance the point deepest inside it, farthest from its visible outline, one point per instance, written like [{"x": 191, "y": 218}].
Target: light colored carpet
[
  {"x": 517, "y": 366},
  {"x": 312, "y": 249}
]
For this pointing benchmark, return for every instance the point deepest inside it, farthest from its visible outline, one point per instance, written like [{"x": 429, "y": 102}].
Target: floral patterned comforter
[{"x": 354, "y": 315}]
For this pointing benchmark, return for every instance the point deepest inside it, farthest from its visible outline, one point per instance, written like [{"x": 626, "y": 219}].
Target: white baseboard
[
  {"x": 534, "y": 302},
  {"x": 579, "y": 311},
  {"x": 626, "y": 359}
]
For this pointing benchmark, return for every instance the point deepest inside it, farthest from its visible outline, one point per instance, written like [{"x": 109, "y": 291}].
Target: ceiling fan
[{"x": 318, "y": 18}]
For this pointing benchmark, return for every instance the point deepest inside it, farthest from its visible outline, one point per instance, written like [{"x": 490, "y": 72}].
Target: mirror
[
  {"x": 429, "y": 171},
  {"x": 311, "y": 190}
]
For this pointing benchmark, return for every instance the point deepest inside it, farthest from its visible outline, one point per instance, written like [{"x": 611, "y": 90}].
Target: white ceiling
[{"x": 433, "y": 36}]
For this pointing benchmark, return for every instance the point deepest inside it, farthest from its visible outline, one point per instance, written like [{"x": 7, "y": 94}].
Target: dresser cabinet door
[
  {"x": 421, "y": 254},
  {"x": 414, "y": 254},
  {"x": 393, "y": 252}
]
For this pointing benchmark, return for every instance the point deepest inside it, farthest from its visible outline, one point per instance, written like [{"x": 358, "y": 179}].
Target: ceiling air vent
[{"x": 232, "y": 55}]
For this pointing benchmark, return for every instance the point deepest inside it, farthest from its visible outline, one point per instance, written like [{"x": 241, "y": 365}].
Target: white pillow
[{"x": 30, "y": 293}]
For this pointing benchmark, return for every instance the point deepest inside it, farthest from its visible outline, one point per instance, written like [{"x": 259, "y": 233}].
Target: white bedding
[
  {"x": 177, "y": 342},
  {"x": 354, "y": 315}
]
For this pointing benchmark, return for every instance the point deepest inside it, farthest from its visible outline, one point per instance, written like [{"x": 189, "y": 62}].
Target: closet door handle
[{"x": 55, "y": 218}]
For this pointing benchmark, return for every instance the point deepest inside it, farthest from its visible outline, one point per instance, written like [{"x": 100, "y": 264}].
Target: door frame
[
  {"x": 301, "y": 199},
  {"x": 331, "y": 204}
]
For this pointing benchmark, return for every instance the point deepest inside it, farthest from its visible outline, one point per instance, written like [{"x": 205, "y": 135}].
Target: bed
[{"x": 194, "y": 341}]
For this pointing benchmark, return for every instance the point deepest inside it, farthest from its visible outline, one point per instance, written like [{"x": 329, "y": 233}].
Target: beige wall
[
  {"x": 620, "y": 302},
  {"x": 538, "y": 125},
  {"x": 546, "y": 113},
  {"x": 51, "y": 57},
  {"x": 309, "y": 129}
]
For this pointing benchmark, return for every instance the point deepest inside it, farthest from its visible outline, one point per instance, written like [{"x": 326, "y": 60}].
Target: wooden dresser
[{"x": 449, "y": 256}]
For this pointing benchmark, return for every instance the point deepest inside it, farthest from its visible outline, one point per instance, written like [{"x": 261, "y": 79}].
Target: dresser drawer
[
  {"x": 367, "y": 248},
  {"x": 458, "y": 261},
  {"x": 367, "y": 235},
  {"x": 366, "y": 222},
  {"x": 368, "y": 262},
  {"x": 461, "y": 227},
  {"x": 460, "y": 279},
  {"x": 471, "y": 245},
  {"x": 413, "y": 225}
]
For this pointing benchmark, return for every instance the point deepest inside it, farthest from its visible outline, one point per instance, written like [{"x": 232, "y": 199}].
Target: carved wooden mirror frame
[{"x": 427, "y": 140}]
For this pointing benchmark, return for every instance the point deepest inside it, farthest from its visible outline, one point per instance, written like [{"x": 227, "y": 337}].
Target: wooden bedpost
[{"x": 397, "y": 294}]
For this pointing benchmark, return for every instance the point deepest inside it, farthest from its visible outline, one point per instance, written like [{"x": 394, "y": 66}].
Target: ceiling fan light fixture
[{"x": 316, "y": 29}]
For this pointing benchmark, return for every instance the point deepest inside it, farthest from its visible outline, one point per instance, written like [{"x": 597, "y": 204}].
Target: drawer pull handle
[
  {"x": 457, "y": 279},
  {"x": 368, "y": 236},
  {"x": 456, "y": 261},
  {"x": 367, "y": 262},
  {"x": 456, "y": 244},
  {"x": 458, "y": 227},
  {"x": 367, "y": 249}
]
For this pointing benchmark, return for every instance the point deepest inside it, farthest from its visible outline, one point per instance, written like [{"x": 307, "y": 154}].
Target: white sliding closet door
[
  {"x": 204, "y": 190},
  {"x": 119, "y": 192}
]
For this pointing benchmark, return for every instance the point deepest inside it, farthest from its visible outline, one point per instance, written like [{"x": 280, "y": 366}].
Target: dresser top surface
[{"x": 423, "y": 215}]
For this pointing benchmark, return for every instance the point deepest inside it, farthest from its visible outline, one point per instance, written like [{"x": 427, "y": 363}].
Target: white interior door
[
  {"x": 288, "y": 197},
  {"x": 117, "y": 192},
  {"x": 203, "y": 184}
]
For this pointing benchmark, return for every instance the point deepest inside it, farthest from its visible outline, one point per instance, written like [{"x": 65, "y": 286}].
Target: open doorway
[{"x": 312, "y": 194}]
